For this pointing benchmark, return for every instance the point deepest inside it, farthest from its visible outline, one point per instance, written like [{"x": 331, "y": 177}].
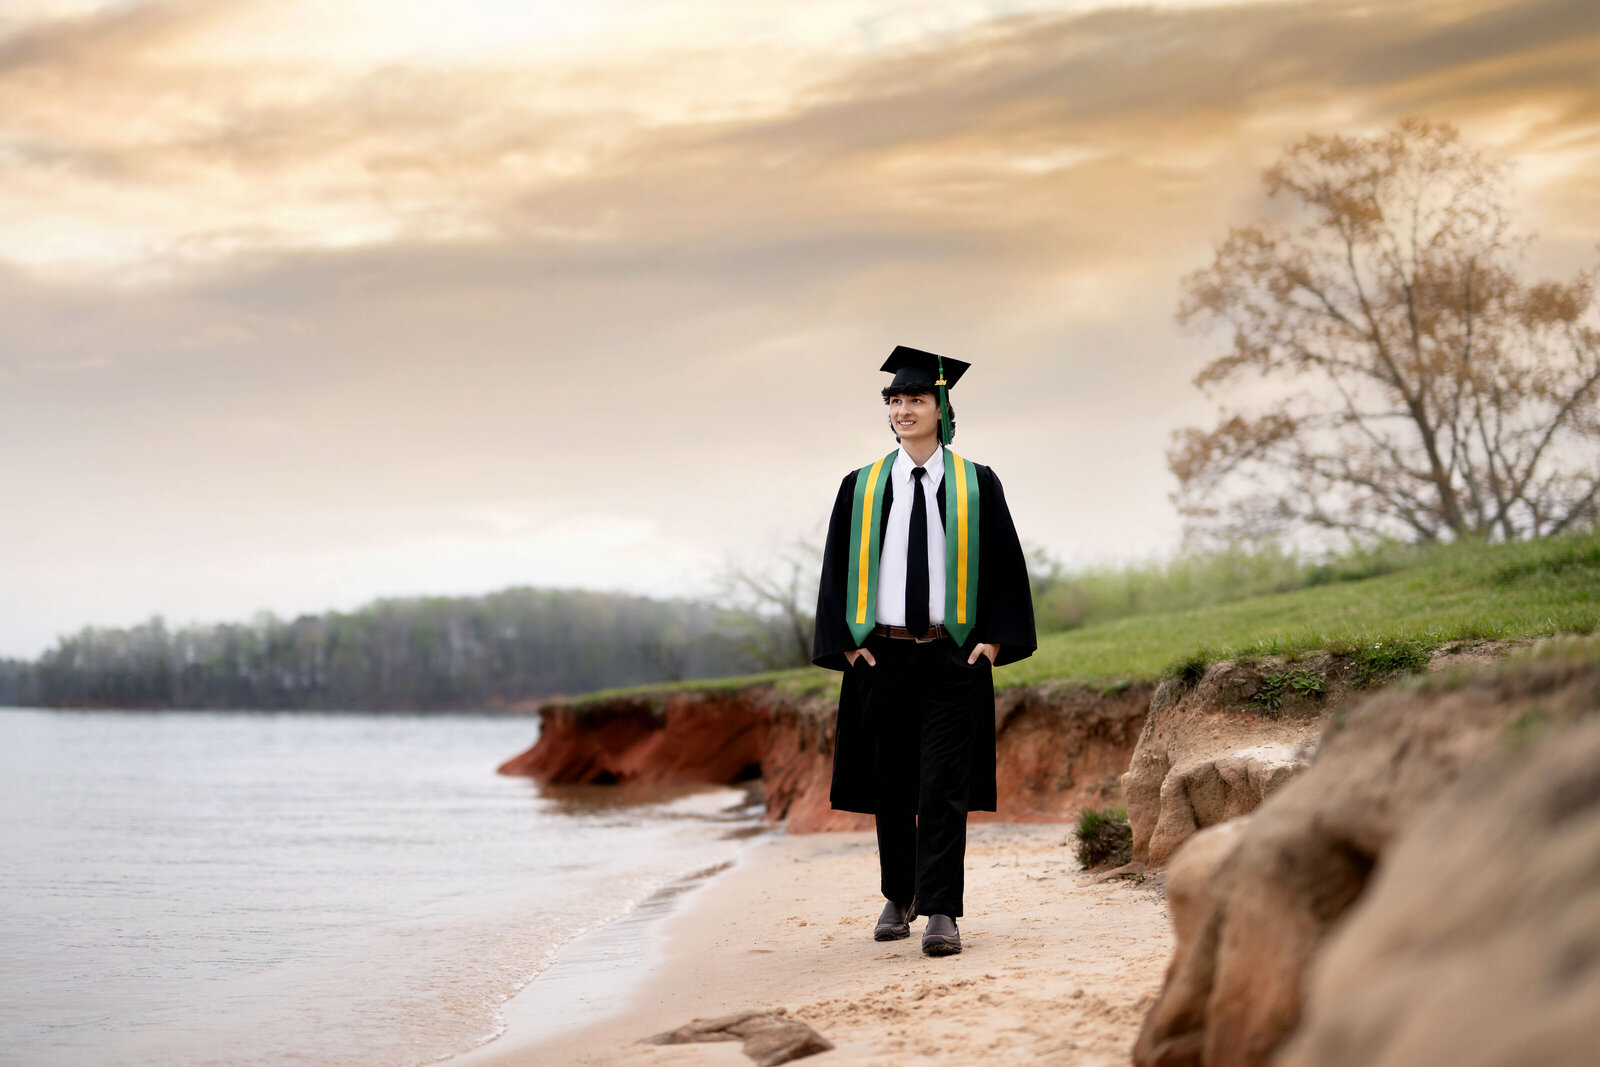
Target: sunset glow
[{"x": 306, "y": 302}]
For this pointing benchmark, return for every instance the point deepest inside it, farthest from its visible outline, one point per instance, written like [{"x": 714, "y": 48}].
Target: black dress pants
[{"x": 921, "y": 701}]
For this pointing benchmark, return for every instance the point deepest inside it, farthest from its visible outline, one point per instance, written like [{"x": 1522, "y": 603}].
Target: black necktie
[{"x": 917, "y": 559}]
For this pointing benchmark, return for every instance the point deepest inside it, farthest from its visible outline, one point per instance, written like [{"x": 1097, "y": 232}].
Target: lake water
[{"x": 185, "y": 888}]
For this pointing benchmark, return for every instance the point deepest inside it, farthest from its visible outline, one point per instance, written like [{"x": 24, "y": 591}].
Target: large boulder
[
  {"x": 1178, "y": 1019},
  {"x": 1214, "y": 787},
  {"x": 1478, "y": 942},
  {"x": 1260, "y": 896}
]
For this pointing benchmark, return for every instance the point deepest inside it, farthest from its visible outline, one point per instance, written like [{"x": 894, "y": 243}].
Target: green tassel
[{"x": 946, "y": 433}]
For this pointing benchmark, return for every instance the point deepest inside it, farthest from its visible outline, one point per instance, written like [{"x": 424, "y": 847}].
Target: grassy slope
[
  {"x": 1450, "y": 593},
  {"x": 1454, "y": 593}
]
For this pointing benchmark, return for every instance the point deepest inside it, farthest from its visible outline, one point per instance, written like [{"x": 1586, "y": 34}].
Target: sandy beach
[{"x": 1056, "y": 968}]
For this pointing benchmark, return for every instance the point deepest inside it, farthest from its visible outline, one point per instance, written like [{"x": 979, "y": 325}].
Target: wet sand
[{"x": 1056, "y": 969}]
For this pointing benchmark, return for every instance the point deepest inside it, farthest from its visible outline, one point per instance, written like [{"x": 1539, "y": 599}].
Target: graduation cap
[{"x": 919, "y": 371}]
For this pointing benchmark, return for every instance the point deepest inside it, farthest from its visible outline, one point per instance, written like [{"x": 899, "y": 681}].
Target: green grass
[
  {"x": 1385, "y": 611},
  {"x": 1085, "y": 596},
  {"x": 799, "y": 682},
  {"x": 1449, "y": 593}
]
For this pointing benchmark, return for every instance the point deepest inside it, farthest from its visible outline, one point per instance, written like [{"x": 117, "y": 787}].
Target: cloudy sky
[{"x": 304, "y": 302}]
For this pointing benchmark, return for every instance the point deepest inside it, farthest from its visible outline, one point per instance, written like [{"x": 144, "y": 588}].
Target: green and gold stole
[{"x": 960, "y": 490}]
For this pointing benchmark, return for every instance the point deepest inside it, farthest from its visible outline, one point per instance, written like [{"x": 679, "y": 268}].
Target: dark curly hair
[{"x": 911, "y": 390}]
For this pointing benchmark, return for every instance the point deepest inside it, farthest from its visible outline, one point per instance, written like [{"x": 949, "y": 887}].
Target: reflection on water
[
  {"x": 264, "y": 888},
  {"x": 743, "y": 803}
]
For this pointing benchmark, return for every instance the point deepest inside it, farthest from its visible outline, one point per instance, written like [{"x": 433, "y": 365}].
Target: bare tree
[
  {"x": 1417, "y": 385},
  {"x": 776, "y": 603}
]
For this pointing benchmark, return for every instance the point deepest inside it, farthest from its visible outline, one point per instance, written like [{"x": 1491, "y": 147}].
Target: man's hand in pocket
[{"x": 980, "y": 650}]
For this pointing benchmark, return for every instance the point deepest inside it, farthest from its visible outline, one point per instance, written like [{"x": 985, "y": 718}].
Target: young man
[{"x": 924, "y": 590}]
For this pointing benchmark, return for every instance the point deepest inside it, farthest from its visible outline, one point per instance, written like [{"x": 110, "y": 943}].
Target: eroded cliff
[
  {"x": 1058, "y": 748},
  {"x": 1428, "y": 784}
]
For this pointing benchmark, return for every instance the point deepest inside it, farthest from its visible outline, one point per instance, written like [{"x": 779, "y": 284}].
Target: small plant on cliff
[
  {"x": 1189, "y": 669},
  {"x": 1280, "y": 685},
  {"x": 1104, "y": 836},
  {"x": 1382, "y": 660}
]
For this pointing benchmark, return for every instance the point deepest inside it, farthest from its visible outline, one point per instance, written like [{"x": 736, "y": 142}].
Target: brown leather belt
[{"x": 903, "y": 634}]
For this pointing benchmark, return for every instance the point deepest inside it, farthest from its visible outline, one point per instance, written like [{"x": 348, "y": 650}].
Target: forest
[{"x": 432, "y": 653}]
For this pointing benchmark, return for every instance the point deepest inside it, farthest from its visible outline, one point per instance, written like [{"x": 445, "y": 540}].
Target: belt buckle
[{"x": 925, "y": 640}]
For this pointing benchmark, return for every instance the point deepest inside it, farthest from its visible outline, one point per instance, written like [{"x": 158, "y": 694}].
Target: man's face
[{"x": 914, "y": 417}]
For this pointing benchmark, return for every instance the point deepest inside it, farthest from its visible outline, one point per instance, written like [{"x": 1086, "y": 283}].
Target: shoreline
[
  {"x": 572, "y": 992},
  {"x": 1056, "y": 967}
]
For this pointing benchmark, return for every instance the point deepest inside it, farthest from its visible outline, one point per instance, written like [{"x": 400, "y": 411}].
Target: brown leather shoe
[
  {"x": 940, "y": 937},
  {"x": 895, "y": 922}
]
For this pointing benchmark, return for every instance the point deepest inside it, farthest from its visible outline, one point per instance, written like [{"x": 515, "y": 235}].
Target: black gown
[{"x": 1005, "y": 618}]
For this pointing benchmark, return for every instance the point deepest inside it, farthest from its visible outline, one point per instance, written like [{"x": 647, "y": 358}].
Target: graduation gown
[{"x": 1004, "y": 617}]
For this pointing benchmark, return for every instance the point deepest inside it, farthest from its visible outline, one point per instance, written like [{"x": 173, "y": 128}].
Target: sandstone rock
[
  {"x": 1478, "y": 942},
  {"x": 769, "y": 1038},
  {"x": 1257, "y": 910},
  {"x": 1206, "y": 754},
  {"x": 1209, "y": 790},
  {"x": 1215, "y": 750},
  {"x": 1177, "y": 1022}
]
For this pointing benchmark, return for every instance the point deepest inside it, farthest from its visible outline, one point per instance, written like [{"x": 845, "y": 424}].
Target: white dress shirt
[{"x": 897, "y": 534}]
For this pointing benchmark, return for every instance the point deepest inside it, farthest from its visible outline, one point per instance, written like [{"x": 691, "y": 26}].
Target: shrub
[{"x": 1104, "y": 836}]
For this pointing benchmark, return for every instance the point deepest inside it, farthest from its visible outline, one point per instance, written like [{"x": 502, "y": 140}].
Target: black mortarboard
[
  {"x": 915, "y": 369},
  {"x": 912, "y": 367}
]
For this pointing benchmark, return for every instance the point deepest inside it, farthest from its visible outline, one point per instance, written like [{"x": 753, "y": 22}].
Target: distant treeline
[
  {"x": 17, "y": 684},
  {"x": 424, "y": 653}
]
